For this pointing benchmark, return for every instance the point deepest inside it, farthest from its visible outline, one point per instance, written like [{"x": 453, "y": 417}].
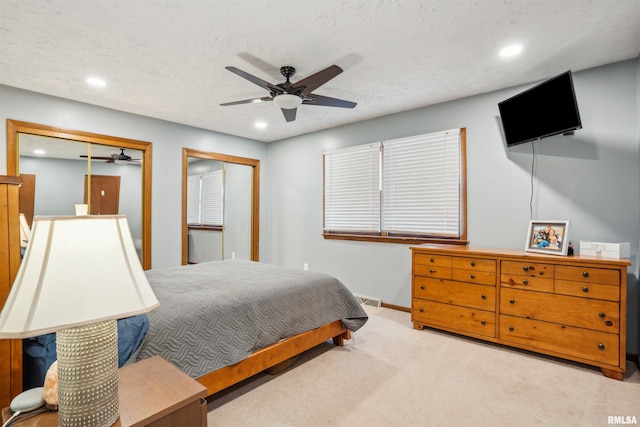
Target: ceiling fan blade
[
  {"x": 316, "y": 80},
  {"x": 96, "y": 157},
  {"x": 255, "y": 80},
  {"x": 248, "y": 101},
  {"x": 289, "y": 114},
  {"x": 325, "y": 101}
]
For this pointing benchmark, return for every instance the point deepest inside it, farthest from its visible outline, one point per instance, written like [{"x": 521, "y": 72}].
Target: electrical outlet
[{"x": 306, "y": 266}]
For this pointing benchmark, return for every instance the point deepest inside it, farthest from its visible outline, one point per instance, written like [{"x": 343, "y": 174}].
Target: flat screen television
[{"x": 548, "y": 109}]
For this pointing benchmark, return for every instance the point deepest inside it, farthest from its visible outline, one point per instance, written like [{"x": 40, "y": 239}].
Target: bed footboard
[{"x": 269, "y": 356}]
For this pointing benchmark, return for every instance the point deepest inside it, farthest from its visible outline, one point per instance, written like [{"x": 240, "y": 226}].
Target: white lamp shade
[
  {"x": 287, "y": 101},
  {"x": 77, "y": 270}
]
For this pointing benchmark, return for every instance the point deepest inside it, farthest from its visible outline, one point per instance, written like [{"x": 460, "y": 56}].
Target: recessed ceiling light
[
  {"x": 511, "y": 50},
  {"x": 38, "y": 151},
  {"x": 95, "y": 81},
  {"x": 260, "y": 125}
]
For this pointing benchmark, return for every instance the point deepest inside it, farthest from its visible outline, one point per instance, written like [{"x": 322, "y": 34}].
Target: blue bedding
[{"x": 40, "y": 352}]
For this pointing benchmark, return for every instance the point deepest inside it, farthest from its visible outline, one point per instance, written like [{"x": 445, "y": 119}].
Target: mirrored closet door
[
  {"x": 220, "y": 207},
  {"x": 65, "y": 172}
]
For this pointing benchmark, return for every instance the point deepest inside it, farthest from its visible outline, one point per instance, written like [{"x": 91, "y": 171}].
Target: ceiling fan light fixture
[{"x": 287, "y": 101}]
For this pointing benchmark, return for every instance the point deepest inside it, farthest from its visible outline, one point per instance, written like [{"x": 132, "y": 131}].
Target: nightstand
[{"x": 152, "y": 392}]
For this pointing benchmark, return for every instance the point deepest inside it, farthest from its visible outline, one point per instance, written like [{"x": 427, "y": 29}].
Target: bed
[
  {"x": 256, "y": 316},
  {"x": 223, "y": 321}
]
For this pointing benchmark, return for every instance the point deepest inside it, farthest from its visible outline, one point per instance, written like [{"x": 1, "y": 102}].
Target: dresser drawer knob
[
  {"x": 473, "y": 276},
  {"x": 473, "y": 264},
  {"x": 422, "y": 287},
  {"x": 602, "y": 315},
  {"x": 484, "y": 322},
  {"x": 421, "y": 310},
  {"x": 431, "y": 260},
  {"x": 512, "y": 301},
  {"x": 585, "y": 289},
  {"x": 525, "y": 268},
  {"x": 601, "y": 346},
  {"x": 432, "y": 271},
  {"x": 484, "y": 296},
  {"x": 585, "y": 274},
  {"x": 511, "y": 328},
  {"x": 525, "y": 282}
]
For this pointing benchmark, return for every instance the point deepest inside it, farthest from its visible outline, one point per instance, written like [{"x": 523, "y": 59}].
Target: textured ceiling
[{"x": 166, "y": 59}]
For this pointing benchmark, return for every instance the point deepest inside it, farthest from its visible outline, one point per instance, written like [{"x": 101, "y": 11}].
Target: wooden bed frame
[
  {"x": 272, "y": 355},
  {"x": 262, "y": 359}
]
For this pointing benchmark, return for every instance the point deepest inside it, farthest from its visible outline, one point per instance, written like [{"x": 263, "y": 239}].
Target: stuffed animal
[{"x": 50, "y": 392}]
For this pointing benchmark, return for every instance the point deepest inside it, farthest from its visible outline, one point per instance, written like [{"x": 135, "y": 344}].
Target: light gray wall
[
  {"x": 237, "y": 210},
  {"x": 590, "y": 178},
  {"x": 168, "y": 140}
]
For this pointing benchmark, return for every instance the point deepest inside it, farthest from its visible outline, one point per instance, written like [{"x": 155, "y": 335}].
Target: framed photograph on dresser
[{"x": 548, "y": 237}]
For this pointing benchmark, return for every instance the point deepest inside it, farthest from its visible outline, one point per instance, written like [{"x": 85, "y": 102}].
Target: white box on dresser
[{"x": 605, "y": 250}]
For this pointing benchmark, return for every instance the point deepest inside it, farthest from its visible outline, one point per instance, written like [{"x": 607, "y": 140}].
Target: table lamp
[{"x": 78, "y": 276}]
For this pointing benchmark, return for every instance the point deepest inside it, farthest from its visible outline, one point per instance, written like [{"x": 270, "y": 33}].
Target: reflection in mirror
[
  {"x": 237, "y": 211},
  {"x": 220, "y": 207},
  {"x": 205, "y": 207},
  {"x": 62, "y": 169}
]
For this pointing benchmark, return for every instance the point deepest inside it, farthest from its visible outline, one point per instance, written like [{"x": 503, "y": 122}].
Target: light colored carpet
[{"x": 392, "y": 375}]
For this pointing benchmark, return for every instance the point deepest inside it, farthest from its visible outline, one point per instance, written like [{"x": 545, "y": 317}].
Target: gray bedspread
[{"x": 217, "y": 313}]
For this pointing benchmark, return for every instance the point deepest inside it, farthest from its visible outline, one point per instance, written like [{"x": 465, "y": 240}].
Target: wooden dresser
[
  {"x": 10, "y": 350},
  {"x": 570, "y": 307}
]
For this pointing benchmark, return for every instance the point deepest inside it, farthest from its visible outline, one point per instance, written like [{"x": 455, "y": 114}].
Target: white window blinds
[
  {"x": 193, "y": 199},
  {"x": 211, "y": 204},
  {"x": 408, "y": 186},
  {"x": 421, "y": 184},
  {"x": 352, "y": 189},
  {"x": 205, "y": 198}
]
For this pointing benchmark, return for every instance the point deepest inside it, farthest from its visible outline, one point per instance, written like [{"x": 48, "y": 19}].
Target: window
[
  {"x": 205, "y": 199},
  {"x": 408, "y": 190},
  {"x": 352, "y": 189}
]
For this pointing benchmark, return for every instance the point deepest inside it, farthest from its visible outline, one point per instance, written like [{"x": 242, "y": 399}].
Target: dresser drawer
[
  {"x": 453, "y": 317},
  {"x": 464, "y": 294},
  {"x": 588, "y": 290},
  {"x": 540, "y": 284},
  {"x": 591, "y": 345},
  {"x": 530, "y": 269},
  {"x": 588, "y": 275},
  {"x": 480, "y": 277},
  {"x": 478, "y": 264},
  {"x": 434, "y": 271},
  {"x": 561, "y": 309},
  {"x": 432, "y": 260}
]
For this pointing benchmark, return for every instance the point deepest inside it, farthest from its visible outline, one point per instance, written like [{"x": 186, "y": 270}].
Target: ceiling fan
[
  {"x": 120, "y": 157},
  {"x": 289, "y": 96}
]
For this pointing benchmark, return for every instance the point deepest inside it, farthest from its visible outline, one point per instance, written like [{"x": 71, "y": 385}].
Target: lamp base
[{"x": 88, "y": 375}]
